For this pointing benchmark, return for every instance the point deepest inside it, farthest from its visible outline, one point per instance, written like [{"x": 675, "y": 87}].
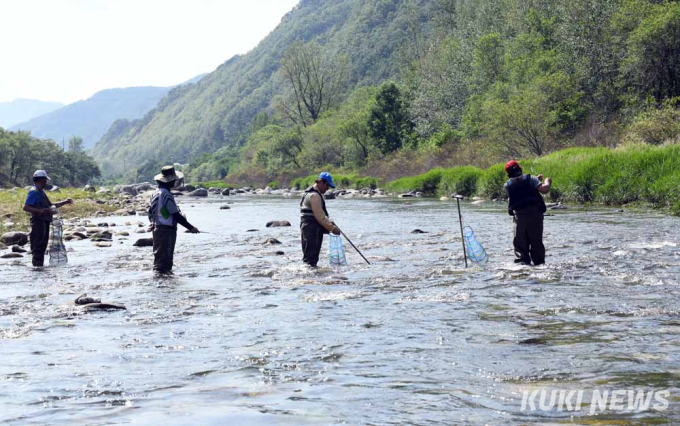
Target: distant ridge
[
  {"x": 20, "y": 110},
  {"x": 91, "y": 118}
]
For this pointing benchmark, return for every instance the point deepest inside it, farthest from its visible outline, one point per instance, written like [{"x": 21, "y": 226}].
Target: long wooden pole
[
  {"x": 462, "y": 238},
  {"x": 355, "y": 247}
]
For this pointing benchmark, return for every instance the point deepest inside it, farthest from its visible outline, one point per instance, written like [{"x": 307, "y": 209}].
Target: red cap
[{"x": 512, "y": 164}]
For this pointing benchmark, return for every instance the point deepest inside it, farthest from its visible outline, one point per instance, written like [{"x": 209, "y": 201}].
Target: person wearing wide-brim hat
[
  {"x": 164, "y": 216},
  {"x": 314, "y": 221},
  {"x": 41, "y": 209}
]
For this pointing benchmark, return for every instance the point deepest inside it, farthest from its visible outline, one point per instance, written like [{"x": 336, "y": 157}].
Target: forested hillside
[
  {"x": 216, "y": 114},
  {"x": 395, "y": 87}
]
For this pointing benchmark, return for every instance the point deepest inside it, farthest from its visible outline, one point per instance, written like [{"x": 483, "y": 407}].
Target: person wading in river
[
  {"x": 526, "y": 205},
  {"x": 314, "y": 221},
  {"x": 164, "y": 217},
  {"x": 41, "y": 209}
]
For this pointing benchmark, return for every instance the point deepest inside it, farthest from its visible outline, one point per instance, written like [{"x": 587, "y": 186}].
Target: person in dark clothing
[
  {"x": 526, "y": 205},
  {"x": 41, "y": 209},
  {"x": 164, "y": 215},
  {"x": 314, "y": 221}
]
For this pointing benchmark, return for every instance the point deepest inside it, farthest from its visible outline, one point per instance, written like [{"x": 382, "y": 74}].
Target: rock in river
[
  {"x": 11, "y": 256},
  {"x": 11, "y": 238},
  {"x": 144, "y": 242},
  {"x": 277, "y": 223},
  {"x": 199, "y": 193}
]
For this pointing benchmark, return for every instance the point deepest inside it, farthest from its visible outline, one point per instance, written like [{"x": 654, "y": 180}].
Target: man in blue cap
[{"x": 314, "y": 221}]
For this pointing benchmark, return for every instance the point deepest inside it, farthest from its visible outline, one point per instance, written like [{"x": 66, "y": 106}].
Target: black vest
[
  {"x": 309, "y": 212},
  {"x": 523, "y": 195}
]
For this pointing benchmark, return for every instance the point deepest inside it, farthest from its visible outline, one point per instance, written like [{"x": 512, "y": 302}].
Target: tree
[
  {"x": 316, "y": 82},
  {"x": 75, "y": 144},
  {"x": 388, "y": 122},
  {"x": 652, "y": 63}
]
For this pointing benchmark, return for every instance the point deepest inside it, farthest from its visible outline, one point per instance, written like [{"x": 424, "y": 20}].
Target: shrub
[{"x": 460, "y": 180}]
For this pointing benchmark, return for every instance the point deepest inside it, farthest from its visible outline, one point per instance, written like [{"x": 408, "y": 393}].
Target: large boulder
[
  {"x": 144, "y": 242},
  {"x": 189, "y": 188},
  {"x": 89, "y": 188},
  {"x": 103, "y": 190},
  {"x": 277, "y": 223},
  {"x": 200, "y": 192},
  {"x": 330, "y": 195},
  {"x": 145, "y": 186},
  {"x": 12, "y": 238},
  {"x": 226, "y": 191},
  {"x": 128, "y": 189}
]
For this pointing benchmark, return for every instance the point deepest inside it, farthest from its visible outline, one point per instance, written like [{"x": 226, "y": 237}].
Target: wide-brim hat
[{"x": 168, "y": 174}]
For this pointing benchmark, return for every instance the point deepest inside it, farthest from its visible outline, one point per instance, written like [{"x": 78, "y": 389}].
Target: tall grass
[
  {"x": 630, "y": 174},
  {"x": 85, "y": 205}
]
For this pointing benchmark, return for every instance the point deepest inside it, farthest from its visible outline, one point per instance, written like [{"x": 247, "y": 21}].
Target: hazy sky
[{"x": 66, "y": 50}]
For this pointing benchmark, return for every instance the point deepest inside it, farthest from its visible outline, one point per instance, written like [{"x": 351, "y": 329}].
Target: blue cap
[{"x": 328, "y": 178}]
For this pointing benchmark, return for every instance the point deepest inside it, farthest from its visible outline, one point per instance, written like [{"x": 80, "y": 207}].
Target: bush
[
  {"x": 460, "y": 180},
  {"x": 491, "y": 182},
  {"x": 426, "y": 183},
  {"x": 212, "y": 184},
  {"x": 274, "y": 184}
]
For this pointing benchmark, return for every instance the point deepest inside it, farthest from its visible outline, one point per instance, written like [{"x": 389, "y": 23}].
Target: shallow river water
[{"x": 241, "y": 335}]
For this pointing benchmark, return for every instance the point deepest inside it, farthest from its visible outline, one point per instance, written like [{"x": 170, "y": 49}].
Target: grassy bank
[
  {"x": 633, "y": 174},
  {"x": 340, "y": 181},
  {"x": 11, "y": 204}
]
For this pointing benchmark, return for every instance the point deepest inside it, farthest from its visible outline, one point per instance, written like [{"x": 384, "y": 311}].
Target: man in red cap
[{"x": 526, "y": 205}]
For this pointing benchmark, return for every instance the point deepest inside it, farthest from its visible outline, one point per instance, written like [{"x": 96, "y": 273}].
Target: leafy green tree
[
  {"x": 652, "y": 63},
  {"x": 388, "y": 122},
  {"x": 75, "y": 144}
]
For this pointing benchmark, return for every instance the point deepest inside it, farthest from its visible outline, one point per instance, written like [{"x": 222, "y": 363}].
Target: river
[{"x": 241, "y": 335}]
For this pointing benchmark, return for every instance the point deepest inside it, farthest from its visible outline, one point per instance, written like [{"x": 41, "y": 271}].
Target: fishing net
[
  {"x": 57, "y": 250},
  {"x": 475, "y": 251},
  {"x": 336, "y": 252}
]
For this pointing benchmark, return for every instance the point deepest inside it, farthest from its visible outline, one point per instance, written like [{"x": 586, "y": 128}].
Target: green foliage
[
  {"x": 213, "y": 184},
  {"x": 460, "y": 180},
  {"x": 426, "y": 183},
  {"x": 653, "y": 51},
  {"x": 21, "y": 154},
  {"x": 636, "y": 174},
  {"x": 388, "y": 122},
  {"x": 491, "y": 182},
  {"x": 340, "y": 180},
  {"x": 656, "y": 126}
]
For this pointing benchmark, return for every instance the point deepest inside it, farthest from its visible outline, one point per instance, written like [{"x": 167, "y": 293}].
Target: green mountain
[
  {"x": 216, "y": 113},
  {"x": 20, "y": 110}
]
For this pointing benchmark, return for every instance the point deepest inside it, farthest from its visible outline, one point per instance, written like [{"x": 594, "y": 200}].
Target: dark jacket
[{"x": 523, "y": 195}]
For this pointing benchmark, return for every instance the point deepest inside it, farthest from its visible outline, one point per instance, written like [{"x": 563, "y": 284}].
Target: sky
[{"x": 67, "y": 50}]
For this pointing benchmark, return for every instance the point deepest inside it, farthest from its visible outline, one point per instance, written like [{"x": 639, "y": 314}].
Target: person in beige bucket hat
[{"x": 164, "y": 215}]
